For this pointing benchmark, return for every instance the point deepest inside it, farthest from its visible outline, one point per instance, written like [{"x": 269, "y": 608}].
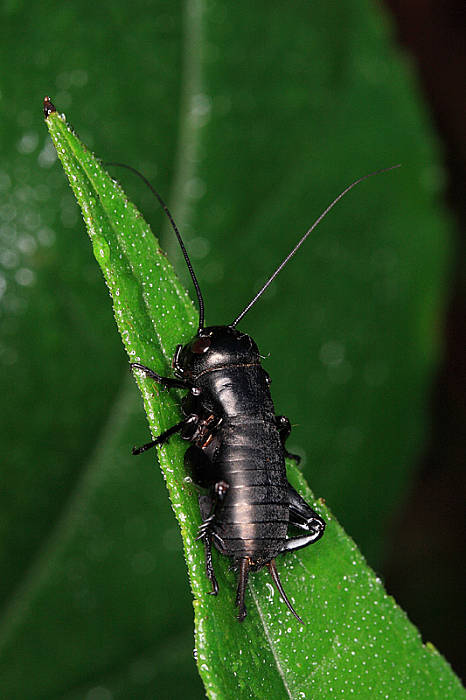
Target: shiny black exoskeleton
[{"x": 237, "y": 452}]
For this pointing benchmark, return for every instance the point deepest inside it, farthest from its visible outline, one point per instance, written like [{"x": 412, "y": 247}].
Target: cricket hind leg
[
  {"x": 208, "y": 535},
  {"x": 199, "y": 467},
  {"x": 305, "y": 518},
  {"x": 204, "y": 533},
  {"x": 208, "y": 504},
  {"x": 209, "y": 566},
  {"x": 202, "y": 471}
]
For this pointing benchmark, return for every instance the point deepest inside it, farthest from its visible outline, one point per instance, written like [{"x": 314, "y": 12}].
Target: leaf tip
[{"x": 49, "y": 107}]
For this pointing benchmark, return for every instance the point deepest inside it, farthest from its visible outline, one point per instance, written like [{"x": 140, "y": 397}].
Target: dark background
[
  {"x": 435, "y": 36},
  {"x": 249, "y": 121}
]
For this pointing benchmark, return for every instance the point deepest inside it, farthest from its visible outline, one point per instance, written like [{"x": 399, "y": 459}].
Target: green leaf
[{"x": 355, "y": 640}]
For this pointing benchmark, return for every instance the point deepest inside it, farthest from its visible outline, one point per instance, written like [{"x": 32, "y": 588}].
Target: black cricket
[{"x": 237, "y": 451}]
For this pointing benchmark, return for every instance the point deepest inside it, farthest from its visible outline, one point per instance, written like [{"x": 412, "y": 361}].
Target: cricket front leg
[
  {"x": 166, "y": 382},
  {"x": 185, "y": 427}
]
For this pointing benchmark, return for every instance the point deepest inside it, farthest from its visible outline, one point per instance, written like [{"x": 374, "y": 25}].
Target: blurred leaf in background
[{"x": 251, "y": 120}]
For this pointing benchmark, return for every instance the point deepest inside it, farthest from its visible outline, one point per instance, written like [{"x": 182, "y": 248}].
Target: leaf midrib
[{"x": 278, "y": 664}]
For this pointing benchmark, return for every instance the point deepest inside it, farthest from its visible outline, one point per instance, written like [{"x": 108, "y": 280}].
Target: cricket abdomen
[{"x": 254, "y": 515}]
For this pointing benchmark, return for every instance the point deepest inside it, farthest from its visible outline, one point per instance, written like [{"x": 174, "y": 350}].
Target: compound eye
[{"x": 201, "y": 345}]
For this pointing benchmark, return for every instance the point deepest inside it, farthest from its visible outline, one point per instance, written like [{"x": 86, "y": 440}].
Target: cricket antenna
[
  {"x": 300, "y": 242},
  {"x": 178, "y": 235}
]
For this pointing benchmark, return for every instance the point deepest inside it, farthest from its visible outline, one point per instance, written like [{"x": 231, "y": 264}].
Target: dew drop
[{"x": 101, "y": 249}]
